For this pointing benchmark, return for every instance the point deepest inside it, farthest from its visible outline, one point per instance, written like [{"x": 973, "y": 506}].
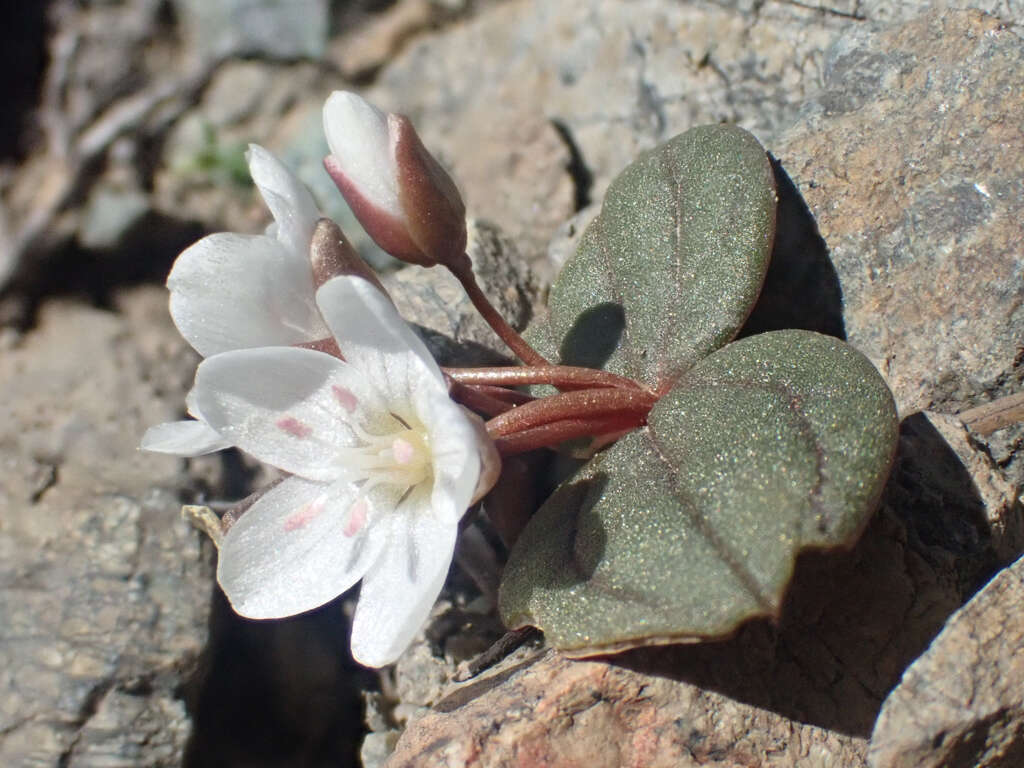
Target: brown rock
[
  {"x": 549, "y": 710},
  {"x": 961, "y": 705}
]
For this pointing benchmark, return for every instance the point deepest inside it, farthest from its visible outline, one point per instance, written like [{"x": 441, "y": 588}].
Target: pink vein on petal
[
  {"x": 356, "y": 518},
  {"x": 306, "y": 513},
  {"x": 294, "y": 427},
  {"x": 345, "y": 398}
]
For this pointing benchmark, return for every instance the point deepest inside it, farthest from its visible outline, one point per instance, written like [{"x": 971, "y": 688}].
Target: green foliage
[
  {"x": 224, "y": 162},
  {"x": 672, "y": 266},
  {"x": 756, "y": 450}
]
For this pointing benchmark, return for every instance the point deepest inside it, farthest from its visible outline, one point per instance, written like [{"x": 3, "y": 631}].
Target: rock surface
[
  {"x": 548, "y": 710},
  {"x": 266, "y": 28},
  {"x": 913, "y": 168},
  {"x": 104, "y": 589},
  {"x": 961, "y": 705},
  {"x": 434, "y": 300}
]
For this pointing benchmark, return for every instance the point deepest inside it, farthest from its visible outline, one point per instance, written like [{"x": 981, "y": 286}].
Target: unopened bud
[
  {"x": 331, "y": 255},
  {"x": 400, "y": 194}
]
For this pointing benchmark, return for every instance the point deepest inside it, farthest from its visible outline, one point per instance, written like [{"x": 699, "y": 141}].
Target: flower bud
[
  {"x": 401, "y": 195},
  {"x": 331, "y": 255}
]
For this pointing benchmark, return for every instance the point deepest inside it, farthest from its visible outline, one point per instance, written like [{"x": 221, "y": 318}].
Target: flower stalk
[
  {"x": 463, "y": 271},
  {"x": 586, "y": 403},
  {"x": 567, "y": 376}
]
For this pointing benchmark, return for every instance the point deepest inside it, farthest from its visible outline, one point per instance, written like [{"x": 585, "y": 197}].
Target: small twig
[
  {"x": 986, "y": 419},
  {"x": 505, "y": 645}
]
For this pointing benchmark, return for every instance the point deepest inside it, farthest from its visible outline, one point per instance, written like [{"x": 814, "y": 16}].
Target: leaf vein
[
  {"x": 677, "y": 264},
  {"x": 731, "y": 559},
  {"x": 618, "y": 297}
]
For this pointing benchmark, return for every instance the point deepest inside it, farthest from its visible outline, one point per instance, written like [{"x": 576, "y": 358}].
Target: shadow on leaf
[
  {"x": 854, "y": 620},
  {"x": 594, "y": 336}
]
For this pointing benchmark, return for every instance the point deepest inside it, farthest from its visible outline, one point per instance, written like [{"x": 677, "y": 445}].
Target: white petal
[
  {"x": 296, "y": 548},
  {"x": 291, "y": 204},
  {"x": 289, "y": 407},
  {"x": 375, "y": 339},
  {"x": 357, "y": 134},
  {"x": 183, "y": 438},
  {"x": 455, "y": 445},
  {"x": 400, "y": 588},
  {"x": 233, "y": 291}
]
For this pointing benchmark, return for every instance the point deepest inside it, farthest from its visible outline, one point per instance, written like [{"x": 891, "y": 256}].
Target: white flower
[
  {"x": 401, "y": 195},
  {"x": 383, "y": 465},
  {"x": 232, "y": 291}
]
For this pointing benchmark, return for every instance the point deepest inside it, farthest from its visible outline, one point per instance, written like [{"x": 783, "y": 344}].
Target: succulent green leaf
[
  {"x": 684, "y": 529},
  {"x": 671, "y": 267}
]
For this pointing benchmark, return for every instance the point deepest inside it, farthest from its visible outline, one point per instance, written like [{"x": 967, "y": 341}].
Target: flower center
[{"x": 400, "y": 458}]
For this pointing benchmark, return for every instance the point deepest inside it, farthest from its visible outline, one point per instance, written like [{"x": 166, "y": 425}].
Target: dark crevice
[
  {"x": 86, "y": 710},
  {"x": 582, "y": 178},
  {"x": 825, "y": 10},
  {"x": 23, "y": 56},
  {"x": 49, "y": 480},
  {"x": 145, "y": 255},
  {"x": 277, "y": 692}
]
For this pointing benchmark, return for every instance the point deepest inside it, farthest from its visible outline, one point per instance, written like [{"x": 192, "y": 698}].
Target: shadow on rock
[
  {"x": 277, "y": 692},
  {"x": 143, "y": 254},
  {"x": 853, "y": 621},
  {"x": 801, "y": 289}
]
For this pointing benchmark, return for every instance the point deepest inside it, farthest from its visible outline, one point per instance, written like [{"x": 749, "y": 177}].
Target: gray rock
[
  {"x": 912, "y": 163},
  {"x": 576, "y": 89},
  {"x": 269, "y": 28},
  {"x": 961, "y": 705},
  {"x": 104, "y": 589}
]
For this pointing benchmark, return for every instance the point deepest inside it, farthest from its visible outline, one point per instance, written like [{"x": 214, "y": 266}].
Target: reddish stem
[
  {"x": 584, "y": 404},
  {"x": 463, "y": 271},
  {"x": 555, "y": 375},
  {"x": 475, "y": 400},
  {"x": 548, "y": 435},
  {"x": 513, "y": 396}
]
